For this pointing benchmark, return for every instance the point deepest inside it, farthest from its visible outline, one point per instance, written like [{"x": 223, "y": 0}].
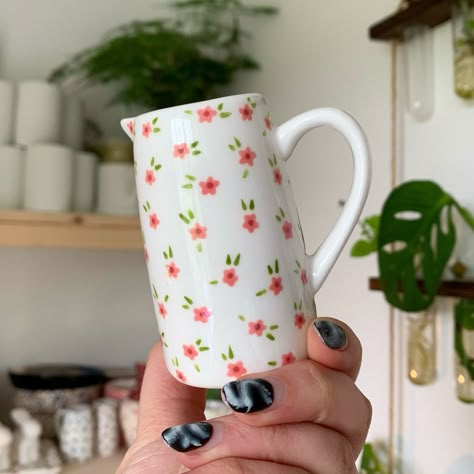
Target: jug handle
[{"x": 287, "y": 136}]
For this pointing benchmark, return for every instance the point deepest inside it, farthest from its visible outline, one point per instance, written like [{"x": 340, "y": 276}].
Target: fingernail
[
  {"x": 248, "y": 395},
  {"x": 184, "y": 438},
  {"x": 332, "y": 335}
]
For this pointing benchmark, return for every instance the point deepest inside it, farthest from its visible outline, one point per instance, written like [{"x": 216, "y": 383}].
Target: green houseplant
[{"x": 169, "y": 61}]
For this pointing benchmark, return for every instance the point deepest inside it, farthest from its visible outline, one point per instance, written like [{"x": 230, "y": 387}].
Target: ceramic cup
[
  {"x": 48, "y": 178},
  {"x": 75, "y": 430},
  {"x": 116, "y": 189},
  {"x": 107, "y": 428},
  {"x": 232, "y": 284},
  {"x": 11, "y": 175},
  {"x": 72, "y": 123},
  {"x": 7, "y": 96},
  {"x": 38, "y": 113},
  {"x": 85, "y": 179}
]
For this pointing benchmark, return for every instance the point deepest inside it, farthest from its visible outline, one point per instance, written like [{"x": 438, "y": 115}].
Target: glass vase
[
  {"x": 464, "y": 350},
  {"x": 422, "y": 346},
  {"x": 463, "y": 42}
]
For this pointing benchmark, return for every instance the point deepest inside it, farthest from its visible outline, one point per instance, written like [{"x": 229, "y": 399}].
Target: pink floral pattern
[
  {"x": 202, "y": 314},
  {"x": 299, "y": 320},
  {"x": 172, "y": 270},
  {"x": 287, "y": 230},
  {"x": 153, "y": 221},
  {"x": 257, "y": 327},
  {"x": 268, "y": 123},
  {"x": 304, "y": 277},
  {"x": 209, "y": 186},
  {"x": 197, "y": 231},
  {"x": 230, "y": 277},
  {"x": 150, "y": 177},
  {"x": 206, "y": 114},
  {"x": 277, "y": 178},
  {"x": 246, "y": 112},
  {"x": 190, "y": 351},
  {"x": 147, "y": 255},
  {"x": 236, "y": 370},
  {"x": 162, "y": 310},
  {"x": 181, "y": 151},
  {"x": 131, "y": 127},
  {"x": 276, "y": 286},
  {"x": 247, "y": 156},
  {"x": 287, "y": 358},
  {"x": 146, "y": 129},
  {"x": 180, "y": 376}
]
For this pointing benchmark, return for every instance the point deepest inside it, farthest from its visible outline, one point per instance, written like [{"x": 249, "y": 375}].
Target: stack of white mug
[{"x": 42, "y": 167}]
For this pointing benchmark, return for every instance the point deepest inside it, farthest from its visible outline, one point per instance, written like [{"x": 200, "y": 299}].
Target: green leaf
[
  {"x": 196, "y": 366},
  {"x": 170, "y": 250},
  {"x": 213, "y": 282},
  {"x": 157, "y": 167},
  {"x": 270, "y": 336},
  {"x": 244, "y": 206},
  {"x": 185, "y": 306},
  {"x": 278, "y": 218},
  {"x": 145, "y": 208},
  {"x": 166, "y": 298},
  {"x": 188, "y": 299},
  {"x": 228, "y": 260},
  {"x": 156, "y": 130},
  {"x": 196, "y": 153},
  {"x": 245, "y": 174},
  {"x": 362, "y": 248},
  {"x": 232, "y": 147},
  {"x": 194, "y": 144},
  {"x": 237, "y": 142},
  {"x": 152, "y": 162},
  {"x": 190, "y": 177},
  {"x": 155, "y": 293},
  {"x": 270, "y": 162},
  {"x": 415, "y": 246},
  {"x": 274, "y": 327},
  {"x": 199, "y": 247},
  {"x": 224, "y": 356},
  {"x": 272, "y": 363},
  {"x": 264, "y": 133},
  {"x": 220, "y": 106},
  {"x": 231, "y": 353},
  {"x": 277, "y": 267},
  {"x": 203, "y": 349},
  {"x": 184, "y": 219},
  {"x": 187, "y": 186},
  {"x": 252, "y": 205},
  {"x": 242, "y": 318},
  {"x": 269, "y": 270},
  {"x": 198, "y": 342},
  {"x": 154, "y": 121},
  {"x": 237, "y": 260},
  {"x": 225, "y": 114},
  {"x": 261, "y": 292},
  {"x": 189, "y": 112},
  {"x": 191, "y": 214}
]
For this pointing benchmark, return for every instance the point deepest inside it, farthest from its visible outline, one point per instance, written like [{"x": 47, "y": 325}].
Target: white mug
[
  {"x": 38, "y": 113},
  {"x": 7, "y": 96},
  {"x": 232, "y": 285},
  {"x": 107, "y": 428},
  {"x": 75, "y": 430},
  {"x": 48, "y": 178},
  {"x": 116, "y": 189},
  {"x": 85, "y": 181},
  {"x": 11, "y": 176},
  {"x": 72, "y": 122}
]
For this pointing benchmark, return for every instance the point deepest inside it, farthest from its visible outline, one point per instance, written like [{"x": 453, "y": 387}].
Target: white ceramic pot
[
  {"x": 128, "y": 415},
  {"x": 233, "y": 287},
  {"x": 48, "y": 178},
  {"x": 7, "y": 99},
  {"x": 72, "y": 122},
  {"x": 38, "y": 113},
  {"x": 85, "y": 182},
  {"x": 107, "y": 428},
  {"x": 11, "y": 176},
  {"x": 116, "y": 189}
]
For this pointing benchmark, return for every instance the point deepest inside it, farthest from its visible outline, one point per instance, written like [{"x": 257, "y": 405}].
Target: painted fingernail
[
  {"x": 184, "y": 438},
  {"x": 332, "y": 335},
  {"x": 249, "y": 395}
]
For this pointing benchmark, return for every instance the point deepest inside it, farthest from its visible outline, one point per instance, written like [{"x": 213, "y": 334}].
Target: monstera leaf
[{"x": 416, "y": 238}]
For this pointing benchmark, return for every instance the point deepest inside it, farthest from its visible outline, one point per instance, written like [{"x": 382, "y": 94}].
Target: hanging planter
[
  {"x": 464, "y": 347},
  {"x": 463, "y": 43},
  {"x": 422, "y": 346}
]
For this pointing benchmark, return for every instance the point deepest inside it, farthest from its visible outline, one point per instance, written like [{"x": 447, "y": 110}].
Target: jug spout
[{"x": 128, "y": 125}]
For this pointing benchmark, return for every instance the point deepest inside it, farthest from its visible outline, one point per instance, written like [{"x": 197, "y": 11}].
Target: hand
[{"x": 306, "y": 417}]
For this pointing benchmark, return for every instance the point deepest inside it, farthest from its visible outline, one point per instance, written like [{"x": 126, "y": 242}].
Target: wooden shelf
[
  {"x": 452, "y": 288},
  {"x": 425, "y": 12},
  {"x": 69, "y": 230}
]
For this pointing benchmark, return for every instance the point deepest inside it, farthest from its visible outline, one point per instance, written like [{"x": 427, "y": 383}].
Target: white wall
[{"x": 313, "y": 54}]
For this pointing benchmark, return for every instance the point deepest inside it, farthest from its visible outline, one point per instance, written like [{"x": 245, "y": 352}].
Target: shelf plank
[
  {"x": 69, "y": 230},
  {"x": 425, "y": 12},
  {"x": 452, "y": 288}
]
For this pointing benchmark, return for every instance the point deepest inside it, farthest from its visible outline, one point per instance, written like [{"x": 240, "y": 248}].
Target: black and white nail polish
[
  {"x": 332, "y": 335},
  {"x": 184, "y": 438},
  {"x": 249, "y": 395}
]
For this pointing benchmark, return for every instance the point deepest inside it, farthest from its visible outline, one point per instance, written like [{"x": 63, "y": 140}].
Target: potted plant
[{"x": 169, "y": 61}]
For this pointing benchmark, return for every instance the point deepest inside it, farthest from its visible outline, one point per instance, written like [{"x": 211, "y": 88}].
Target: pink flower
[
  {"x": 246, "y": 112},
  {"x": 250, "y": 223},
  {"x": 236, "y": 370},
  {"x": 209, "y": 186},
  {"x": 180, "y": 151},
  {"x": 299, "y": 320},
  {"x": 277, "y": 176},
  {"x": 287, "y": 358},
  {"x": 147, "y": 256},
  {"x": 150, "y": 177},
  {"x": 202, "y": 314},
  {"x": 257, "y": 327},
  {"x": 247, "y": 156},
  {"x": 276, "y": 287},
  {"x": 154, "y": 221},
  {"x": 304, "y": 277},
  {"x": 180, "y": 376},
  {"x": 268, "y": 123},
  {"x": 172, "y": 270},
  {"x": 230, "y": 277},
  {"x": 287, "y": 230},
  {"x": 190, "y": 351},
  {"x": 131, "y": 127},
  {"x": 206, "y": 114},
  {"x": 162, "y": 310},
  {"x": 146, "y": 129},
  {"x": 198, "y": 231}
]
